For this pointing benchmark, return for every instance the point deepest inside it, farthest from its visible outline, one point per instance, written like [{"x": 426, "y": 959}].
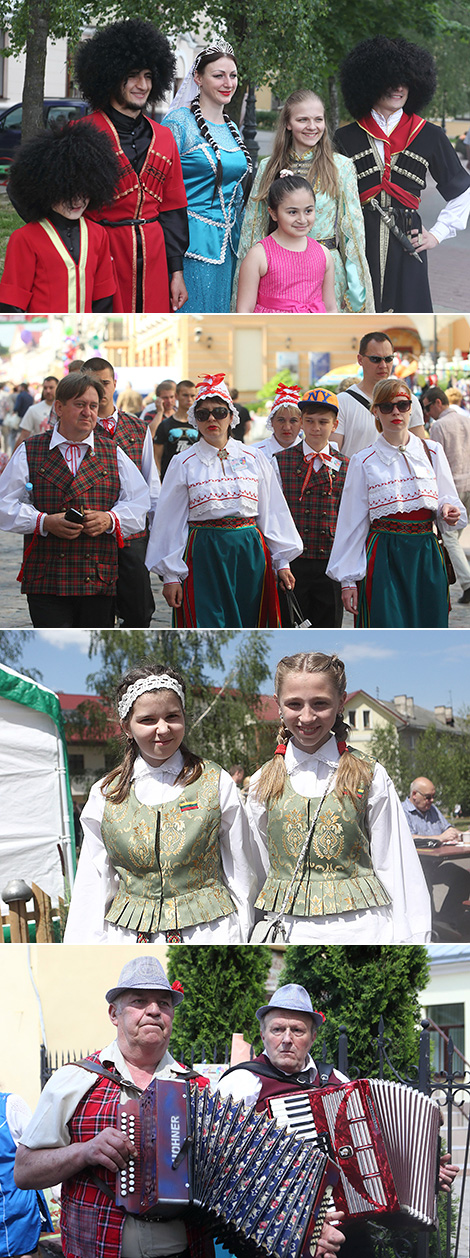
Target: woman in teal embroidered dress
[
  {"x": 217, "y": 176},
  {"x": 165, "y": 852},
  {"x": 302, "y": 145}
]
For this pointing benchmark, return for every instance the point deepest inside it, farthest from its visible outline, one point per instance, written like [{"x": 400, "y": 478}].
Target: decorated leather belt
[
  {"x": 421, "y": 523},
  {"x": 227, "y": 522},
  {"x": 329, "y": 244},
  {"x": 127, "y": 222}
]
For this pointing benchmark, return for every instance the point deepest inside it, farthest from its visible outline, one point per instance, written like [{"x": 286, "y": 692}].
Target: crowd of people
[
  {"x": 123, "y": 213},
  {"x": 354, "y": 500}
]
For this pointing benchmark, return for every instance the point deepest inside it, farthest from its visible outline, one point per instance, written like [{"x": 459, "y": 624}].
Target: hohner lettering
[{"x": 258, "y": 1188}]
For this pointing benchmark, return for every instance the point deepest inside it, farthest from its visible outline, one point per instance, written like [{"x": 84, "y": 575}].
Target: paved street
[{"x": 14, "y": 608}]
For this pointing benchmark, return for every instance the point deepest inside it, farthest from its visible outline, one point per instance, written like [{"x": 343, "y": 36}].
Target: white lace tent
[{"x": 36, "y": 815}]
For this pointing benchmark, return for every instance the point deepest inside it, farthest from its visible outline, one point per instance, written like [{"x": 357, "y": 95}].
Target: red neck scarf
[{"x": 397, "y": 142}]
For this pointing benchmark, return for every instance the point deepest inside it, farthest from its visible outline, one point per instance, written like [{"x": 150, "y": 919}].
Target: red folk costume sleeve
[
  {"x": 136, "y": 208},
  {"x": 41, "y": 277}
]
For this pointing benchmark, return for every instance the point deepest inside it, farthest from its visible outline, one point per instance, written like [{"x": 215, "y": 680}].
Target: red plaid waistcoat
[
  {"x": 86, "y": 565},
  {"x": 91, "y": 1224},
  {"x": 315, "y": 515},
  {"x": 130, "y": 436}
]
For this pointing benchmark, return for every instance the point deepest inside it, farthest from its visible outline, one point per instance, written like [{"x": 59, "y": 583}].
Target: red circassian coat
[
  {"x": 40, "y": 275},
  {"x": 159, "y": 186}
]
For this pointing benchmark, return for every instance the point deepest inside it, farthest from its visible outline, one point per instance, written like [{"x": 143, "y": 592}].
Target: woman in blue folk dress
[{"x": 217, "y": 172}]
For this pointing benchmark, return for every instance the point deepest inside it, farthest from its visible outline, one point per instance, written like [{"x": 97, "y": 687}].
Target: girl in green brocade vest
[
  {"x": 358, "y": 878},
  {"x": 165, "y": 856}
]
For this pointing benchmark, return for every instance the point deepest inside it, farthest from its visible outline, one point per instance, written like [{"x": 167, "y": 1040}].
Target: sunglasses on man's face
[
  {"x": 388, "y": 407},
  {"x": 378, "y": 358},
  {"x": 217, "y": 412}
]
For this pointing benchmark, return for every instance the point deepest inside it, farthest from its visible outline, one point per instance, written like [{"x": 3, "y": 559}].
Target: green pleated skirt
[
  {"x": 405, "y": 586},
  {"x": 230, "y": 583}
]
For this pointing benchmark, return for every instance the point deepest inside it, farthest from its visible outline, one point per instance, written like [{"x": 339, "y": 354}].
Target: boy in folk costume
[
  {"x": 124, "y": 67},
  {"x": 59, "y": 261},
  {"x": 385, "y": 82},
  {"x": 312, "y": 474}
]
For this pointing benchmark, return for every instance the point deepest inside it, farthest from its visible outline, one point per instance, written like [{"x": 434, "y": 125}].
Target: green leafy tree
[
  {"x": 444, "y": 758},
  {"x": 390, "y": 751},
  {"x": 222, "y": 722},
  {"x": 354, "y": 986},
  {"x": 223, "y": 988},
  {"x": 12, "y": 642}
]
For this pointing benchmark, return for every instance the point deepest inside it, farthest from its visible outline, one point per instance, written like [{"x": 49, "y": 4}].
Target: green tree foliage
[
  {"x": 390, "y": 751},
  {"x": 353, "y": 986},
  {"x": 223, "y": 988},
  {"x": 11, "y": 652},
  {"x": 445, "y": 758},
  {"x": 223, "y": 723}
]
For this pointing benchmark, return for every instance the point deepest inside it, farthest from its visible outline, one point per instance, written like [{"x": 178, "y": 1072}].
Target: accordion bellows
[{"x": 257, "y": 1187}]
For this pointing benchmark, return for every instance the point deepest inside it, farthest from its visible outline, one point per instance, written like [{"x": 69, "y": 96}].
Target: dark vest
[
  {"x": 130, "y": 437},
  {"x": 86, "y": 565},
  {"x": 275, "y": 1083},
  {"x": 314, "y": 515}
]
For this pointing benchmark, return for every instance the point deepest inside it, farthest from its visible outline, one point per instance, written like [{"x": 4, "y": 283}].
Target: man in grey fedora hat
[
  {"x": 73, "y": 1136},
  {"x": 288, "y": 1028}
]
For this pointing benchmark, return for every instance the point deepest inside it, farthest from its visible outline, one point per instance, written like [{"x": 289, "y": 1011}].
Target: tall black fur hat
[
  {"x": 379, "y": 63},
  {"x": 103, "y": 62},
  {"x": 63, "y": 164}
]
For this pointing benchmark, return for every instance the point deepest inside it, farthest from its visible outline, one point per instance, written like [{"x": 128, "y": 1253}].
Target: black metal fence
[{"x": 451, "y": 1088}]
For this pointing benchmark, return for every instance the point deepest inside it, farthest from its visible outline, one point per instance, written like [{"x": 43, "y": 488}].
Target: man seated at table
[{"x": 426, "y": 821}]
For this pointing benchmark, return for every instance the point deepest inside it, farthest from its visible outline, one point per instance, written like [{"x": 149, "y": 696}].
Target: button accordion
[
  {"x": 384, "y": 1138},
  {"x": 257, "y": 1187}
]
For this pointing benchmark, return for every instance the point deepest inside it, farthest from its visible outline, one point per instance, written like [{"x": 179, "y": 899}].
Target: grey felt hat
[
  {"x": 294, "y": 998},
  {"x": 143, "y": 974}
]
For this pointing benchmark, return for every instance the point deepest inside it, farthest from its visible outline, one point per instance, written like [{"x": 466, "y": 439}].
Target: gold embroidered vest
[
  {"x": 337, "y": 874},
  {"x": 168, "y": 858}
]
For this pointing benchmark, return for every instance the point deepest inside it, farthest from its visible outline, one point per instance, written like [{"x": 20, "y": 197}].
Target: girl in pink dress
[{"x": 288, "y": 272}]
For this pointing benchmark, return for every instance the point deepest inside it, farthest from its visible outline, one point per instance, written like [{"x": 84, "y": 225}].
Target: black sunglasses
[
  {"x": 218, "y": 412},
  {"x": 377, "y": 358},
  {"x": 388, "y": 407}
]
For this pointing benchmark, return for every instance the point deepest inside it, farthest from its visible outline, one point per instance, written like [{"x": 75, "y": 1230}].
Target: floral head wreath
[
  {"x": 160, "y": 681},
  {"x": 286, "y": 395},
  {"x": 189, "y": 88},
  {"x": 214, "y": 386}
]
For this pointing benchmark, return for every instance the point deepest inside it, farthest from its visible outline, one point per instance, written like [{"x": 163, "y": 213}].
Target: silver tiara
[
  {"x": 156, "y": 682},
  {"x": 221, "y": 46}
]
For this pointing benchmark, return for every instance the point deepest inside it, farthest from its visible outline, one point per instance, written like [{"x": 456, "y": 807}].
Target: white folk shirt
[
  {"x": 378, "y": 483},
  {"x": 357, "y": 424},
  {"x": 199, "y": 486},
  {"x": 48, "y": 1129},
  {"x": 271, "y": 446},
  {"x": 148, "y": 466},
  {"x": 394, "y": 859},
  {"x": 17, "y": 514},
  {"x": 453, "y": 217},
  {"x": 97, "y": 882}
]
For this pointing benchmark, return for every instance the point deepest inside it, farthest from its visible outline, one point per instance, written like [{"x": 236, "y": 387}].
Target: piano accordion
[
  {"x": 384, "y": 1139},
  {"x": 257, "y": 1187}
]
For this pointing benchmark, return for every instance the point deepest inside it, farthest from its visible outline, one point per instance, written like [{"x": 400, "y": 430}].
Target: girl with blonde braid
[
  {"x": 166, "y": 852},
  {"x": 330, "y": 833}
]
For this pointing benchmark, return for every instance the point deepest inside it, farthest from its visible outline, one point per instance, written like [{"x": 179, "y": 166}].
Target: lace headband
[{"x": 143, "y": 686}]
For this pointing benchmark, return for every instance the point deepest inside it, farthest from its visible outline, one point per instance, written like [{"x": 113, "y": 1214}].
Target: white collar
[
  {"x": 170, "y": 768},
  {"x": 112, "y": 1053},
  {"x": 208, "y": 454},
  {"x": 58, "y": 439},
  {"x": 387, "y": 124},
  {"x": 308, "y": 452},
  {"x": 389, "y": 454},
  {"x": 297, "y": 757}
]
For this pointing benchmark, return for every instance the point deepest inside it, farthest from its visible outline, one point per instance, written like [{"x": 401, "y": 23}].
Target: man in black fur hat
[
  {"x": 120, "y": 70},
  {"x": 384, "y": 83}
]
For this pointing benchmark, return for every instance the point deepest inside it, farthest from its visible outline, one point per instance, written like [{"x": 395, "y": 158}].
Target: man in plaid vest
[
  {"x": 74, "y": 1136},
  {"x": 134, "y": 599},
  {"x": 74, "y": 496},
  {"x": 312, "y": 474}
]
